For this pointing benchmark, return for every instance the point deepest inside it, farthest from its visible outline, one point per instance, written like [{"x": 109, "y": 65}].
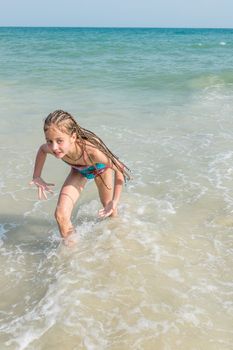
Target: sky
[{"x": 117, "y": 13}]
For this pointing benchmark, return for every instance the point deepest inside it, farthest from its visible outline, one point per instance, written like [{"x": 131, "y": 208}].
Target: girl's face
[{"x": 59, "y": 142}]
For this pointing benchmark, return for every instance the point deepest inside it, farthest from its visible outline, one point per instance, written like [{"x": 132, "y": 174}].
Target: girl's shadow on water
[
  {"x": 16, "y": 230},
  {"x": 37, "y": 233}
]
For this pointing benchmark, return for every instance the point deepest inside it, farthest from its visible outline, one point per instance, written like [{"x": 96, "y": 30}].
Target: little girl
[{"x": 89, "y": 158}]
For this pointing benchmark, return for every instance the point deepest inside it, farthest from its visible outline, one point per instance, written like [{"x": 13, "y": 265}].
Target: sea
[{"x": 159, "y": 276}]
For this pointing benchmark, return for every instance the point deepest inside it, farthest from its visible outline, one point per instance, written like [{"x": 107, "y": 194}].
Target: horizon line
[{"x": 108, "y": 27}]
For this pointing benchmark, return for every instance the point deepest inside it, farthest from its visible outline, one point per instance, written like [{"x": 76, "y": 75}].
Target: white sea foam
[
  {"x": 175, "y": 274},
  {"x": 191, "y": 314},
  {"x": 24, "y": 328}
]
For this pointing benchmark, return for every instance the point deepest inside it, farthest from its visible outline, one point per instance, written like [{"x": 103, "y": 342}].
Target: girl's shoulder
[
  {"x": 89, "y": 147},
  {"x": 93, "y": 153}
]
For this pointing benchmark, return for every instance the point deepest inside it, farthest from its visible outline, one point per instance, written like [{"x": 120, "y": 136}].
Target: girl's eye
[
  {"x": 59, "y": 141},
  {"x": 49, "y": 142}
]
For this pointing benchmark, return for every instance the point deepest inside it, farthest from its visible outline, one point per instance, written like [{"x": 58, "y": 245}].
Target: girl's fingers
[
  {"x": 49, "y": 190},
  {"x": 103, "y": 213},
  {"x": 39, "y": 192},
  {"x": 42, "y": 189},
  {"x": 44, "y": 194}
]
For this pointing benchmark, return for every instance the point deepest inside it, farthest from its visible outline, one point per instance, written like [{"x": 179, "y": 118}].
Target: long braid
[{"x": 66, "y": 121}]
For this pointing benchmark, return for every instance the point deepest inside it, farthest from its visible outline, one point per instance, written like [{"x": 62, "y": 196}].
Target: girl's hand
[
  {"x": 43, "y": 187},
  {"x": 108, "y": 210}
]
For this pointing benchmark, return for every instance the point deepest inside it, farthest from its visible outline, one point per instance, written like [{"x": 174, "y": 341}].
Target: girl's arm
[
  {"x": 38, "y": 167},
  {"x": 98, "y": 157},
  {"x": 118, "y": 184},
  {"x": 40, "y": 160},
  {"x": 112, "y": 205}
]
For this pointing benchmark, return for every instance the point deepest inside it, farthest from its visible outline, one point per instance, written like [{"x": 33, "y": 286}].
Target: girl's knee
[{"x": 60, "y": 215}]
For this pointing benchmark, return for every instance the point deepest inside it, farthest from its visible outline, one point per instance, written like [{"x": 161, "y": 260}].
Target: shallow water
[{"x": 160, "y": 275}]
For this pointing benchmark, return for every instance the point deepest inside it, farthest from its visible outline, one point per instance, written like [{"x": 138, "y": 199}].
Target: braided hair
[{"x": 66, "y": 122}]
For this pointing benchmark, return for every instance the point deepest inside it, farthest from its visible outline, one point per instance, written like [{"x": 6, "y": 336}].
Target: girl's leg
[
  {"x": 69, "y": 194},
  {"x": 106, "y": 194}
]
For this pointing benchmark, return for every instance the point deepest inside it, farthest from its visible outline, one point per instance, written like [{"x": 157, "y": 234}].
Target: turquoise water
[{"x": 160, "y": 275}]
